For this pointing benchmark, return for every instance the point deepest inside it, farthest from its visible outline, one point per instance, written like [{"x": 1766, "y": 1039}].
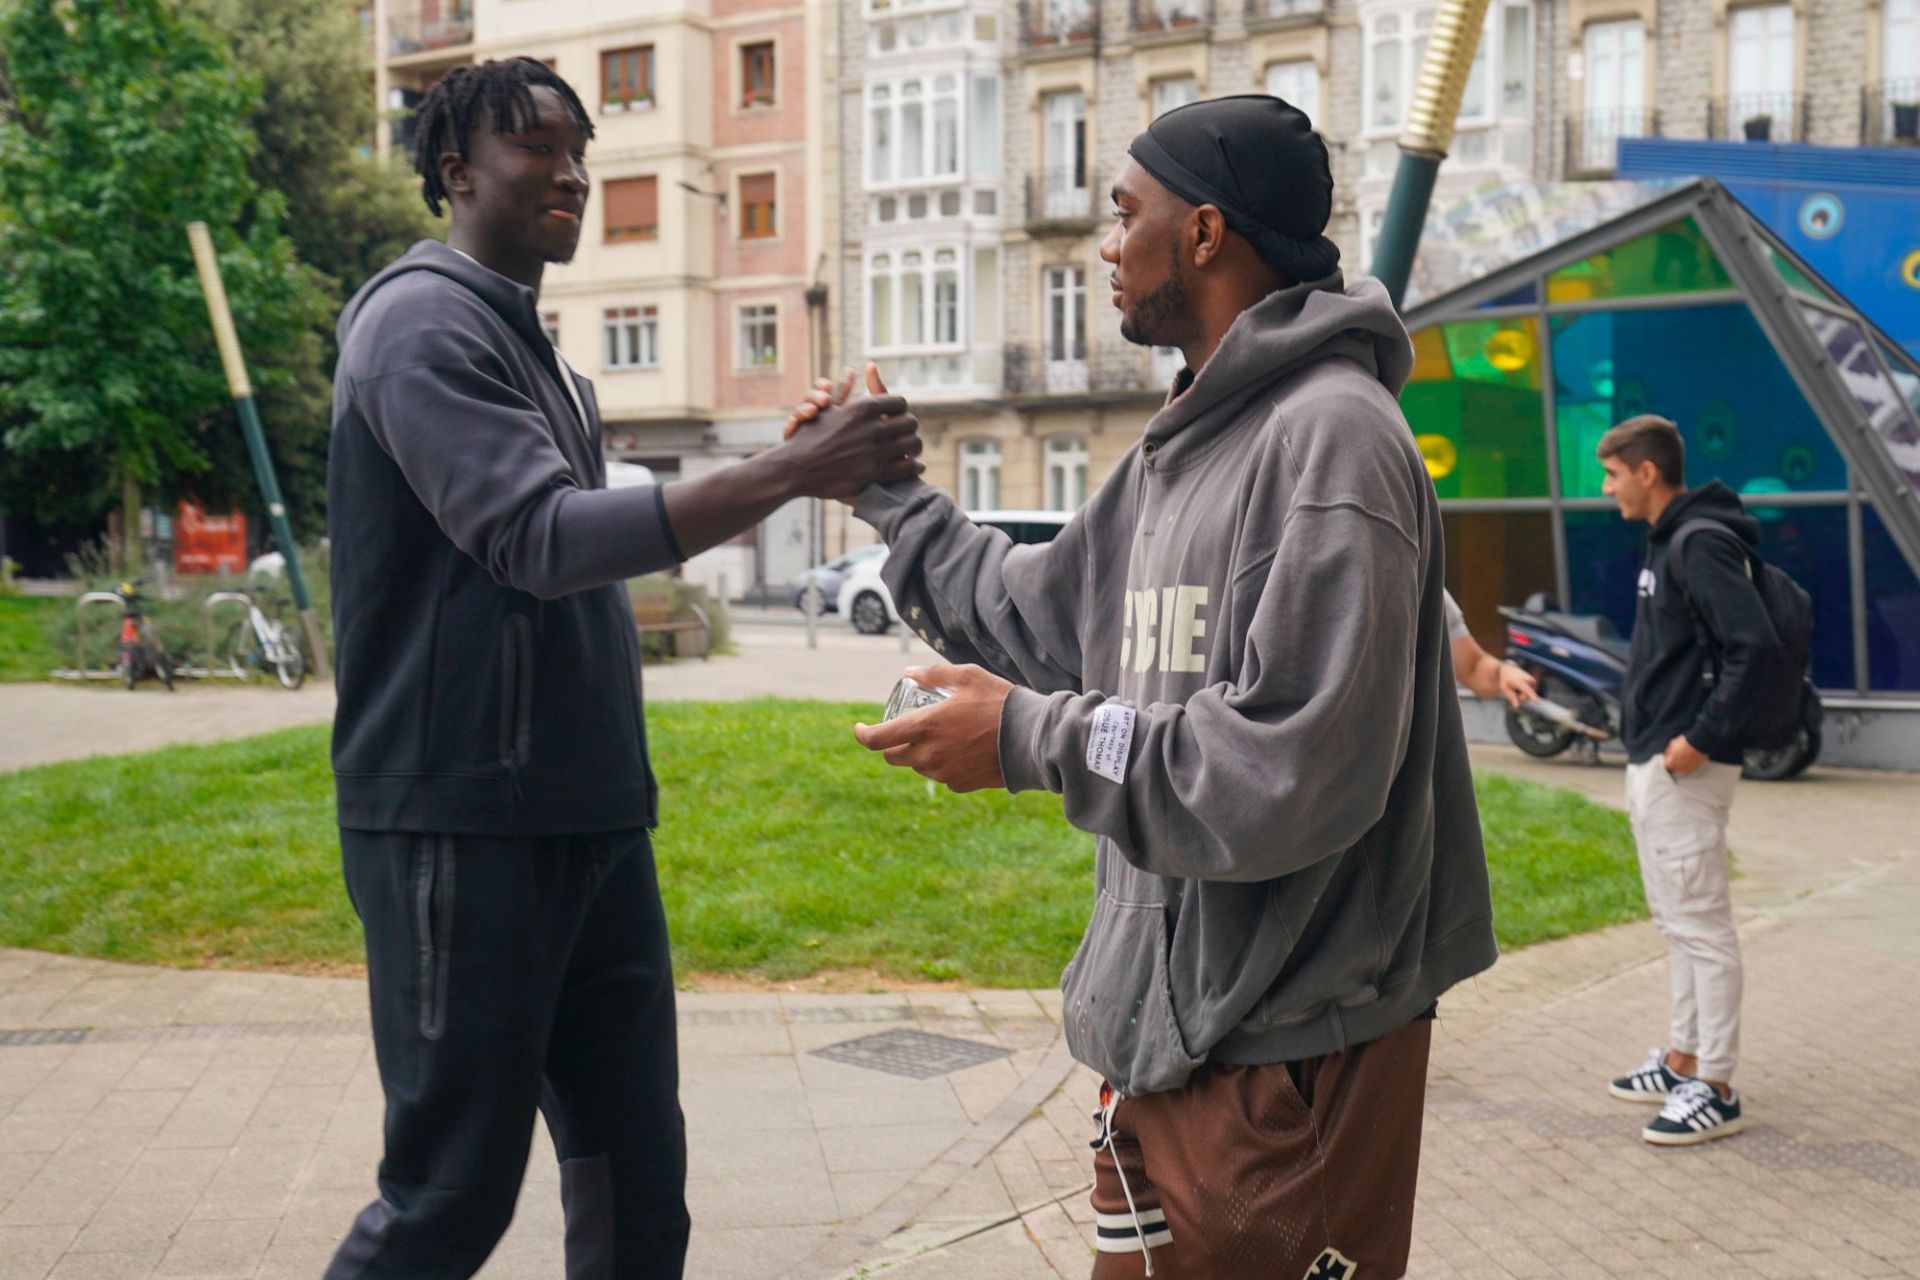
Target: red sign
[{"x": 209, "y": 544}]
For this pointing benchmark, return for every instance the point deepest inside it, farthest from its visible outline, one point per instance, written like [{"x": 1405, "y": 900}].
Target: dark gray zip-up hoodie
[
  {"x": 1236, "y": 674},
  {"x": 488, "y": 666}
]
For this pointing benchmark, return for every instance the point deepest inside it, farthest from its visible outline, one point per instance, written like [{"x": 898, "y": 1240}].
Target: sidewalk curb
[{"x": 844, "y": 1250}]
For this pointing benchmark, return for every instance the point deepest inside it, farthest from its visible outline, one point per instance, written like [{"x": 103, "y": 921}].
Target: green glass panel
[
  {"x": 1711, "y": 370},
  {"x": 1675, "y": 259},
  {"x": 1474, "y": 403},
  {"x": 1797, "y": 280}
]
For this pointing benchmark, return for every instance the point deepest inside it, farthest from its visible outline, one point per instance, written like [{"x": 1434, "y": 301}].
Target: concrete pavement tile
[
  {"x": 904, "y": 1147},
  {"x": 136, "y": 1265},
  {"x": 216, "y": 1251},
  {"x": 701, "y": 1042},
  {"x": 888, "y": 1101},
  {"x": 171, "y": 1066},
  {"x": 796, "y": 1153},
  {"x": 24, "y": 1066},
  {"x": 980, "y": 1089},
  {"x": 17, "y": 1169},
  {"x": 723, "y": 1110},
  {"x": 744, "y": 1075},
  {"x": 135, "y": 1223},
  {"x": 978, "y": 1195},
  {"x": 1065, "y": 1246},
  {"x": 254, "y": 1182},
  {"x": 215, "y": 1110},
  {"x": 732, "y": 1253},
  {"x": 67, "y": 1188},
  {"x": 182, "y": 1170},
  {"x": 1002, "y": 1253},
  {"x": 324, "y": 1060},
  {"x": 339, "y": 1166},
  {"x": 134, "y": 1109},
  {"x": 45, "y": 1131},
  {"x": 30, "y": 1253},
  {"x": 768, "y": 1199},
  {"x": 296, "y": 1262},
  {"x": 859, "y": 1194},
  {"x": 319, "y": 1217},
  {"x": 294, "y": 1113}
]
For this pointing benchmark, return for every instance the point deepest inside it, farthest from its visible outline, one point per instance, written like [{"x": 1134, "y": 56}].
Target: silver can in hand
[{"x": 911, "y": 695}]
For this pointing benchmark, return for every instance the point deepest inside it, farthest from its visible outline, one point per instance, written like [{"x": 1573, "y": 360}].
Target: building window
[
  {"x": 626, "y": 78},
  {"x": 984, "y": 127},
  {"x": 1066, "y": 313},
  {"x": 914, "y": 130},
  {"x": 917, "y": 303},
  {"x": 1066, "y": 473},
  {"x": 550, "y": 325},
  {"x": 1297, "y": 82},
  {"x": 1177, "y": 92},
  {"x": 980, "y": 475},
  {"x": 757, "y": 207},
  {"x": 1396, "y": 44},
  {"x": 880, "y": 301},
  {"x": 756, "y": 74},
  {"x": 1760, "y": 62},
  {"x": 1386, "y": 72},
  {"x": 632, "y": 337},
  {"x": 1616, "y": 93},
  {"x": 1065, "y": 154},
  {"x": 946, "y": 297},
  {"x": 759, "y": 344},
  {"x": 632, "y": 208}
]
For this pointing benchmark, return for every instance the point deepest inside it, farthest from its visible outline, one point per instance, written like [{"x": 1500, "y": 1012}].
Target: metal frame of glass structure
[{"x": 1686, "y": 307}]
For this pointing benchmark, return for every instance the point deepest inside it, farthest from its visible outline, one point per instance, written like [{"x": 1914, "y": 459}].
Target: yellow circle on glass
[
  {"x": 1509, "y": 350},
  {"x": 1440, "y": 455},
  {"x": 1910, "y": 270}
]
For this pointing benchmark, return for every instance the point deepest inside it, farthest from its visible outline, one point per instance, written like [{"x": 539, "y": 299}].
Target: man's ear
[
  {"x": 1209, "y": 234},
  {"x": 455, "y": 175}
]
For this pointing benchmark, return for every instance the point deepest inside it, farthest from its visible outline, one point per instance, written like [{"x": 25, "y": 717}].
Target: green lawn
[
  {"x": 23, "y": 635},
  {"x": 785, "y": 849}
]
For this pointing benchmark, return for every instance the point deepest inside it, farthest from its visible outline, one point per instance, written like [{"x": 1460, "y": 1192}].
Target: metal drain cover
[{"x": 918, "y": 1055}]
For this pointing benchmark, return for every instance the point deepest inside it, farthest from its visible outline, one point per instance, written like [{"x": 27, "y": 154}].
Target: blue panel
[
  {"x": 1604, "y": 555},
  {"x": 1893, "y": 612},
  {"x": 1851, "y": 213}
]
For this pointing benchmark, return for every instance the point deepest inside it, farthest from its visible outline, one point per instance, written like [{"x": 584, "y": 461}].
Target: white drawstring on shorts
[{"x": 1105, "y": 1116}]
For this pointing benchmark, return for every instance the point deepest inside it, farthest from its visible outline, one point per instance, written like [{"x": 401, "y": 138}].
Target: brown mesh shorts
[{"x": 1294, "y": 1171}]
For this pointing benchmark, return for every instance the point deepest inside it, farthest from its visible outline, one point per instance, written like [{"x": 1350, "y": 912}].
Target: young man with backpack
[{"x": 1716, "y": 638}]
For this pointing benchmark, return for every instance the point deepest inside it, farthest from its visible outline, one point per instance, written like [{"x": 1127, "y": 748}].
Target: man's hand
[
  {"x": 853, "y": 445},
  {"x": 1682, "y": 757},
  {"x": 957, "y": 741},
  {"x": 1516, "y": 686},
  {"x": 825, "y": 395}
]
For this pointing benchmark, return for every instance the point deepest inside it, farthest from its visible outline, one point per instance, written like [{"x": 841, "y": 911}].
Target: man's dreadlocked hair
[{"x": 451, "y": 109}]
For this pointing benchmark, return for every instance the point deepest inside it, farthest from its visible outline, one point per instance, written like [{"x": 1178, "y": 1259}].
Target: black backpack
[{"x": 1778, "y": 708}]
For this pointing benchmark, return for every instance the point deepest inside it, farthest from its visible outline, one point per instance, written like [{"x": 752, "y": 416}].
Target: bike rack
[
  {"x": 206, "y": 616},
  {"x": 85, "y": 672}
]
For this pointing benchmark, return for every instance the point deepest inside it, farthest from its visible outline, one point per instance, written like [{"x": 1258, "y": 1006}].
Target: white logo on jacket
[
  {"x": 1164, "y": 626},
  {"x": 1648, "y": 583}
]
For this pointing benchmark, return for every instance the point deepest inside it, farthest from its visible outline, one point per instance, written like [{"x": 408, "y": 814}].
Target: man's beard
[{"x": 1160, "y": 318}]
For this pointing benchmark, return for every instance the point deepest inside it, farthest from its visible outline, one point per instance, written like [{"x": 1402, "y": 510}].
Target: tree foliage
[{"x": 121, "y": 121}]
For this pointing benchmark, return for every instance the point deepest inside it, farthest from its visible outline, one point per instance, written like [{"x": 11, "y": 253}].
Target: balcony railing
[
  {"x": 1890, "y": 113},
  {"x": 1281, "y": 12},
  {"x": 1059, "y": 24},
  {"x": 1161, "y": 16},
  {"x": 416, "y": 32},
  {"x": 1759, "y": 117},
  {"x": 1593, "y": 136},
  {"x": 1062, "y": 200},
  {"x": 1108, "y": 368}
]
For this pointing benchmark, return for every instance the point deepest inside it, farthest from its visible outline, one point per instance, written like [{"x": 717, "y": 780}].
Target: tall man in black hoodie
[
  {"x": 1683, "y": 749},
  {"x": 490, "y": 749}
]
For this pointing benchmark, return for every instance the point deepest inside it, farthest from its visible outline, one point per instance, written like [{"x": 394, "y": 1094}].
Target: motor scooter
[{"x": 1579, "y": 662}]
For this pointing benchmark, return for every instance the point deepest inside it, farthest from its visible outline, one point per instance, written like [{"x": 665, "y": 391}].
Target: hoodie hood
[
  {"x": 1711, "y": 501},
  {"x": 515, "y": 303},
  {"x": 1285, "y": 330}
]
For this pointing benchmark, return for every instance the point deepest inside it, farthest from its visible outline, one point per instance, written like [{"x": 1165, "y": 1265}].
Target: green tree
[{"x": 120, "y": 122}]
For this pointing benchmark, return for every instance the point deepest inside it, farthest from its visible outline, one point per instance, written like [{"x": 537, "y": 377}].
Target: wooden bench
[{"x": 654, "y": 615}]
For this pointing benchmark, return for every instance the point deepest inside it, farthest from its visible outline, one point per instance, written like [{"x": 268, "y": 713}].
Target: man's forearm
[{"x": 704, "y": 513}]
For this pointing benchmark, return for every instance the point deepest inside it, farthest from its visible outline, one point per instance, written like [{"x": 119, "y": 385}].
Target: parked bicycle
[
  {"x": 258, "y": 642},
  {"x": 141, "y": 652}
]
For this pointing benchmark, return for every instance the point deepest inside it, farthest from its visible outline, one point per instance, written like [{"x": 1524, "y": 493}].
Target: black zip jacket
[
  {"x": 488, "y": 666},
  {"x": 1665, "y": 695}
]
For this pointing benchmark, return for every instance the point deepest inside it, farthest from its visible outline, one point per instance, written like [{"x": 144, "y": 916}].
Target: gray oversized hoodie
[{"x": 1234, "y": 670}]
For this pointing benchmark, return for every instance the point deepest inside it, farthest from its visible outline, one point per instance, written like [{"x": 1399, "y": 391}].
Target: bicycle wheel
[
  {"x": 163, "y": 665},
  {"x": 130, "y": 661},
  {"x": 240, "y": 651},
  {"x": 293, "y": 667}
]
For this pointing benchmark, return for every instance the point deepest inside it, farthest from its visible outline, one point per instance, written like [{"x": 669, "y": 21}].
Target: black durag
[{"x": 1258, "y": 160}]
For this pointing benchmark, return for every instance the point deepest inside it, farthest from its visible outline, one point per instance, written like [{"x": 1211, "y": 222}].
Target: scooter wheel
[{"x": 1537, "y": 737}]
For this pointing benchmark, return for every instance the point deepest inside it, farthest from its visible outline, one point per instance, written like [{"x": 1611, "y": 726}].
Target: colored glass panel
[
  {"x": 1496, "y": 558},
  {"x": 1810, "y": 545},
  {"x": 1604, "y": 555},
  {"x": 1475, "y": 408},
  {"x": 1526, "y": 295},
  {"x": 1796, "y": 279},
  {"x": 1675, "y": 259},
  {"x": 1893, "y": 610},
  {"x": 1711, "y": 370}
]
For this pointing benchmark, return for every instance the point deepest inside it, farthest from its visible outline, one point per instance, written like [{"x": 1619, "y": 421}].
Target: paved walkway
[{"x": 225, "y": 1125}]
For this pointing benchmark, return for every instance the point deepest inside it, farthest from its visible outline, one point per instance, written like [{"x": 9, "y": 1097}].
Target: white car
[{"x": 865, "y": 602}]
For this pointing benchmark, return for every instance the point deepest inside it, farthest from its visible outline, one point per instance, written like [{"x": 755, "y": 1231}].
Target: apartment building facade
[{"x": 695, "y": 301}]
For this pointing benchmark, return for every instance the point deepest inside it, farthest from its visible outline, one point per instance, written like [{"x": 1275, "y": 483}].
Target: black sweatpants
[{"x": 508, "y": 975}]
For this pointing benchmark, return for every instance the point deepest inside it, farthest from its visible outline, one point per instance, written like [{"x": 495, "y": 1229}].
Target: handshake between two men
[{"x": 955, "y": 741}]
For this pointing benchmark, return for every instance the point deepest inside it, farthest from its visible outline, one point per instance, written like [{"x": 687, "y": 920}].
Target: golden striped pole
[
  {"x": 242, "y": 388},
  {"x": 1423, "y": 145}
]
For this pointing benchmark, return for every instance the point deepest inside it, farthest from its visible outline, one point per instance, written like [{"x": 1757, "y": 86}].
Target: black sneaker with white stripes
[
  {"x": 1695, "y": 1113},
  {"x": 1651, "y": 1081}
]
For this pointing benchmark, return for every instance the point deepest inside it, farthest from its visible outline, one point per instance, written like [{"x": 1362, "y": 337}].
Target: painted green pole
[
  {"x": 242, "y": 388},
  {"x": 1436, "y": 105}
]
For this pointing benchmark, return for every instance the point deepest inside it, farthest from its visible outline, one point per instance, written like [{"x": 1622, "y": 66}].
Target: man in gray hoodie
[{"x": 1232, "y": 665}]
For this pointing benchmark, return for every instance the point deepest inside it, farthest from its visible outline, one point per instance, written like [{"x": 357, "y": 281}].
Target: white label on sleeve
[{"x": 1108, "y": 743}]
